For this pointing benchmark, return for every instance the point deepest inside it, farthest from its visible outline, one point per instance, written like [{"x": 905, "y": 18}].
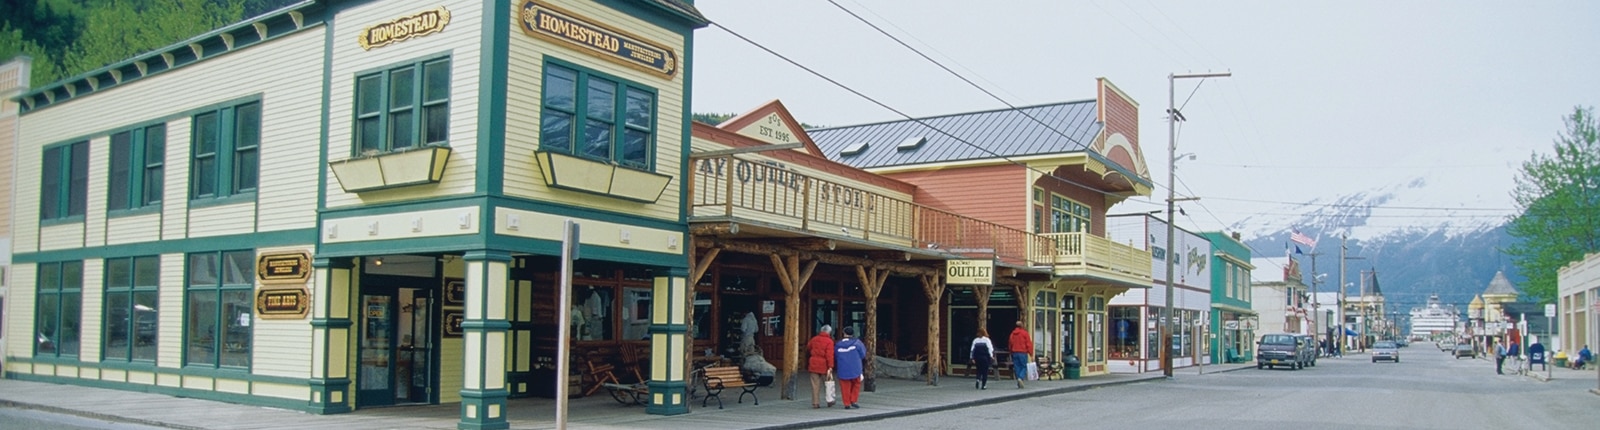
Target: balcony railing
[
  {"x": 1098, "y": 253},
  {"x": 736, "y": 188}
]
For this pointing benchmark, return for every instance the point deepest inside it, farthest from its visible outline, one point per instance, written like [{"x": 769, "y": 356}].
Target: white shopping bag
[
  {"x": 830, "y": 390},
  {"x": 1033, "y": 371}
]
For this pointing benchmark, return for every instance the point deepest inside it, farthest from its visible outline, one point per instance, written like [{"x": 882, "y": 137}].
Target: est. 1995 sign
[
  {"x": 545, "y": 22},
  {"x": 969, "y": 272}
]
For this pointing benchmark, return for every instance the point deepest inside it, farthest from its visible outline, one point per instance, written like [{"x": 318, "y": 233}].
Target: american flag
[{"x": 1302, "y": 239}]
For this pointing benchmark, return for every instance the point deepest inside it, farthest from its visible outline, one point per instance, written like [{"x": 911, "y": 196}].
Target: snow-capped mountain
[{"x": 1420, "y": 237}]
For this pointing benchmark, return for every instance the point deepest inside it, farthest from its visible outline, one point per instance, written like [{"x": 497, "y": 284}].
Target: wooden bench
[{"x": 720, "y": 378}]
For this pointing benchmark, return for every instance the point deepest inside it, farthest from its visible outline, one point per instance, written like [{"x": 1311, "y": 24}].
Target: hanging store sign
[
  {"x": 282, "y": 303},
  {"x": 560, "y": 26},
  {"x": 405, "y": 27},
  {"x": 283, "y": 267},
  {"x": 969, "y": 272}
]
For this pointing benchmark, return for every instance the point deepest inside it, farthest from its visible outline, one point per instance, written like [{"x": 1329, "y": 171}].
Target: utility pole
[
  {"x": 1315, "y": 307},
  {"x": 1173, "y": 116},
  {"x": 1342, "y": 285},
  {"x": 1364, "y": 321}
]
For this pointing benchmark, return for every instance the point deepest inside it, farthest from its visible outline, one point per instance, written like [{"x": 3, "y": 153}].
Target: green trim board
[
  {"x": 265, "y": 239},
  {"x": 244, "y": 399},
  {"x": 591, "y": 252},
  {"x": 493, "y": 81},
  {"x": 425, "y": 245}
]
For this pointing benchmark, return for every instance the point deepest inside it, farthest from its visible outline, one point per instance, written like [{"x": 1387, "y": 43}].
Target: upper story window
[
  {"x": 403, "y": 107},
  {"x": 1067, "y": 216},
  {"x": 226, "y": 151},
  {"x": 595, "y": 116},
  {"x": 137, "y": 160},
  {"x": 64, "y": 185},
  {"x": 58, "y": 309}
]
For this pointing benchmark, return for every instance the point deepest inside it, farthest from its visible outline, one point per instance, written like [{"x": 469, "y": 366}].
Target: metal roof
[
  {"x": 1500, "y": 285},
  {"x": 1052, "y": 129}
]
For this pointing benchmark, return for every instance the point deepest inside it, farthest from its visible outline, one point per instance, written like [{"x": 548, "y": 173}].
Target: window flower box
[
  {"x": 424, "y": 165},
  {"x": 579, "y": 174}
]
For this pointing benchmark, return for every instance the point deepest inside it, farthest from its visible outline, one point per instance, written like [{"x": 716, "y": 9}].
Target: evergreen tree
[{"x": 1559, "y": 196}]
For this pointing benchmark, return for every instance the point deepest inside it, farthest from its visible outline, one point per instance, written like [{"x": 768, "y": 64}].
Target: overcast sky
[{"x": 1327, "y": 98}]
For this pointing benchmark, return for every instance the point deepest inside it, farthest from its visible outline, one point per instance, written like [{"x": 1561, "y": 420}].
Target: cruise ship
[{"x": 1433, "y": 318}]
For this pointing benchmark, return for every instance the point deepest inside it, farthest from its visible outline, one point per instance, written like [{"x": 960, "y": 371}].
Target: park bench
[{"x": 725, "y": 377}]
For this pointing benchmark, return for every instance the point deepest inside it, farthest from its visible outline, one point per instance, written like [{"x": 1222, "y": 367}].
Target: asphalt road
[
  {"x": 32, "y": 419},
  {"x": 1427, "y": 389}
]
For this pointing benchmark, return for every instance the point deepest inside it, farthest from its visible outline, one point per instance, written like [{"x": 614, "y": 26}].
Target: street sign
[{"x": 1550, "y": 309}]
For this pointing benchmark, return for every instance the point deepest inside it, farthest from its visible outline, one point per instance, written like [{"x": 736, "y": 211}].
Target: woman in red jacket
[
  {"x": 1021, "y": 350},
  {"x": 820, "y": 363}
]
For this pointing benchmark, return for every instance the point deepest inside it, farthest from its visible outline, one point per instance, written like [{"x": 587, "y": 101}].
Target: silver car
[{"x": 1385, "y": 351}]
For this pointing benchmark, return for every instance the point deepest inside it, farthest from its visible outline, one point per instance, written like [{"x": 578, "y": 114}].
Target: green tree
[
  {"x": 120, "y": 29},
  {"x": 1559, "y": 196}
]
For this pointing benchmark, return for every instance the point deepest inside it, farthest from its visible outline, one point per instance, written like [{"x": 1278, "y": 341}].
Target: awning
[
  {"x": 1349, "y": 332},
  {"x": 1232, "y": 308}
]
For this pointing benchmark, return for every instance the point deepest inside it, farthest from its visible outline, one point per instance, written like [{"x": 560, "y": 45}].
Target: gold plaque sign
[
  {"x": 560, "y": 26},
  {"x": 405, "y": 27},
  {"x": 282, "y": 303},
  {"x": 283, "y": 268}
]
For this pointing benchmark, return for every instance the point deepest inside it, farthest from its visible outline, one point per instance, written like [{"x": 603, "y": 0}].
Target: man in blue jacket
[{"x": 850, "y": 355}]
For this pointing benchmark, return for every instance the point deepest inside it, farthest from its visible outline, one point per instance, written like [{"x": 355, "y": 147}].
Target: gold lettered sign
[
  {"x": 452, "y": 323},
  {"x": 405, "y": 27},
  {"x": 283, "y": 267},
  {"x": 560, "y": 26},
  {"x": 282, "y": 303},
  {"x": 969, "y": 272}
]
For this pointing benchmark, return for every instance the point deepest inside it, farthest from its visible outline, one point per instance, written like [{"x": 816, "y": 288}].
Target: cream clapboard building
[{"x": 345, "y": 204}]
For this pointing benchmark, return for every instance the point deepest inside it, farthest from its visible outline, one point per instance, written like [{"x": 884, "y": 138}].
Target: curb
[
  {"x": 940, "y": 408},
  {"x": 95, "y": 415}
]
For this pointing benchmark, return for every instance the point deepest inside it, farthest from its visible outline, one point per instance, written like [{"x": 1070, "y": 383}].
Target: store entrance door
[{"x": 396, "y": 346}]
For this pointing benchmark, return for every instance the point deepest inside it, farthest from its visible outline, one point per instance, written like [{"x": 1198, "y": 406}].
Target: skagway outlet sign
[
  {"x": 405, "y": 27},
  {"x": 545, "y": 22},
  {"x": 775, "y": 173},
  {"x": 969, "y": 272}
]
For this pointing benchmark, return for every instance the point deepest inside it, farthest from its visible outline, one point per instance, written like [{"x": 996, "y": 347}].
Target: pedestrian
[
  {"x": 1584, "y": 357},
  {"x": 849, "y": 357},
  {"x": 983, "y": 357},
  {"x": 1021, "y": 350},
  {"x": 820, "y": 363},
  {"x": 1499, "y": 358}
]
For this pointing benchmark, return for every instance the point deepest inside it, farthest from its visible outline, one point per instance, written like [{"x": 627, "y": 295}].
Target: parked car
[
  {"x": 1308, "y": 349},
  {"x": 1447, "y": 345},
  {"x": 1465, "y": 350},
  {"x": 1385, "y": 350},
  {"x": 1278, "y": 349}
]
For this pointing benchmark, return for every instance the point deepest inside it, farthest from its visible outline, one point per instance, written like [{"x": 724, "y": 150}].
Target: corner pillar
[
  {"x": 483, "y": 385},
  {"x": 669, "y": 340},
  {"x": 330, "y": 335}
]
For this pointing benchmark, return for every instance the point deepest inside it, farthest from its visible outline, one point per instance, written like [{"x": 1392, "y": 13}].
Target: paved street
[{"x": 1427, "y": 389}]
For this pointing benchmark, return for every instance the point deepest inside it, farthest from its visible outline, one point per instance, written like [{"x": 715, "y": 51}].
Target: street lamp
[{"x": 1173, "y": 116}]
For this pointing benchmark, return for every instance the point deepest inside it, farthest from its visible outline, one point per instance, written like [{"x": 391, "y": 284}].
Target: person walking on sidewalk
[
  {"x": 1499, "y": 358},
  {"x": 849, "y": 356},
  {"x": 820, "y": 363},
  {"x": 1021, "y": 350},
  {"x": 983, "y": 357}
]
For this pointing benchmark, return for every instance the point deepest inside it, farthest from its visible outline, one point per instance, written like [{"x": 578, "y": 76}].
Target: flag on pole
[
  {"x": 1302, "y": 239},
  {"x": 1297, "y": 250}
]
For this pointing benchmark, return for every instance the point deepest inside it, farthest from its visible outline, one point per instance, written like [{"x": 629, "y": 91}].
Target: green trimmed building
[{"x": 1232, "y": 320}]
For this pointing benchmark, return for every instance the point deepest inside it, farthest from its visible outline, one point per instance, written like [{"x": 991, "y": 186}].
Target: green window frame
[
  {"x": 394, "y": 110},
  {"x": 225, "y": 151},
  {"x": 132, "y": 299},
  {"x": 58, "y": 309},
  {"x": 138, "y": 159},
  {"x": 64, "y": 185},
  {"x": 1068, "y": 216},
  {"x": 596, "y": 116},
  {"x": 218, "y": 311}
]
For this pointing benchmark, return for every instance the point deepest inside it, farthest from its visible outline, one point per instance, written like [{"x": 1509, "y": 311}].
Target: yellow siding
[
  {"x": 175, "y": 203},
  {"x": 116, "y": 375},
  {"x": 623, "y": 236},
  {"x": 460, "y": 39},
  {"x": 221, "y": 220},
  {"x": 92, "y": 306},
  {"x": 452, "y": 358},
  {"x": 410, "y": 225},
  {"x": 198, "y": 382},
  {"x": 19, "y": 310},
  {"x": 62, "y": 236},
  {"x": 169, "y": 327},
  {"x": 8, "y": 128},
  {"x": 297, "y": 392},
  {"x": 99, "y": 166},
  {"x": 282, "y": 347},
  {"x": 526, "y": 62},
  {"x": 133, "y": 229},
  {"x": 146, "y": 378},
  {"x": 233, "y": 386}
]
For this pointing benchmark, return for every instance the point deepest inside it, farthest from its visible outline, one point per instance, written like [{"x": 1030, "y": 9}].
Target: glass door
[
  {"x": 396, "y": 347},
  {"x": 375, "y": 376}
]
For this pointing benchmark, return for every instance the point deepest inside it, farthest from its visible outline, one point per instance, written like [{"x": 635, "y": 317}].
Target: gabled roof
[
  {"x": 1066, "y": 127},
  {"x": 1500, "y": 285}
]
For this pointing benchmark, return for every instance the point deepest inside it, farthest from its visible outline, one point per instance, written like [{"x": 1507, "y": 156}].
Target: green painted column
[
  {"x": 483, "y": 389},
  {"x": 330, "y": 335},
  {"x": 669, "y": 338}
]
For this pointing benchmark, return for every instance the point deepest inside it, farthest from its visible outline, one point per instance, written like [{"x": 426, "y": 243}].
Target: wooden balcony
[
  {"x": 761, "y": 195},
  {"x": 1083, "y": 254}
]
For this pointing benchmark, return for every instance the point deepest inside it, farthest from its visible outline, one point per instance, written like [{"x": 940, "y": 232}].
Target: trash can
[
  {"x": 1561, "y": 359},
  {"x": 1074, "y": 367}
]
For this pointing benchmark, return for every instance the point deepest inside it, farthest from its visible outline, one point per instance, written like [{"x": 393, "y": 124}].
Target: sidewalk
[{"x": 893, "y": 398}]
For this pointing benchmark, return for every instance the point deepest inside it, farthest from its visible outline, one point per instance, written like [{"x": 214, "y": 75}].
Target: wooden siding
[
  {"x": 460, "y": 39},
  {"x": 282, "y": 346},
  {"x": 169, "y": 325},
  {"x": 19, "y": 304},
  {"x": 132, "y": 229},
  {"x": 524, "y": 92},
  {"x": 452, "y": 365},
  {"x": 92, "y": 306},
  {"x": 8, "y": 129},
  {"x": 999, "y": 194},
  {"x": 282, "y": 73},
  {"x": 221, "y": 220}
]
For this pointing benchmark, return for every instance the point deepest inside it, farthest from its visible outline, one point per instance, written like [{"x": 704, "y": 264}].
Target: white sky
[{"x": 1327, "y": 98}]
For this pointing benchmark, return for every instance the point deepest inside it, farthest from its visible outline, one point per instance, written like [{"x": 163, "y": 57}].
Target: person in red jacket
[
  {"x": 1021, "y": 350},
  {"x": 820, "y": 363}
]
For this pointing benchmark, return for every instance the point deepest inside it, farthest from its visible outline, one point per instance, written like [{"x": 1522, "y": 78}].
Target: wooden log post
[
  {"x": 982, "y": 293},
  {"x": 794, "y": 281},
  {"x": 697, "y": 269},
  {"x": 871, "y": 284},
  {"x": 933, "y": 289}
]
